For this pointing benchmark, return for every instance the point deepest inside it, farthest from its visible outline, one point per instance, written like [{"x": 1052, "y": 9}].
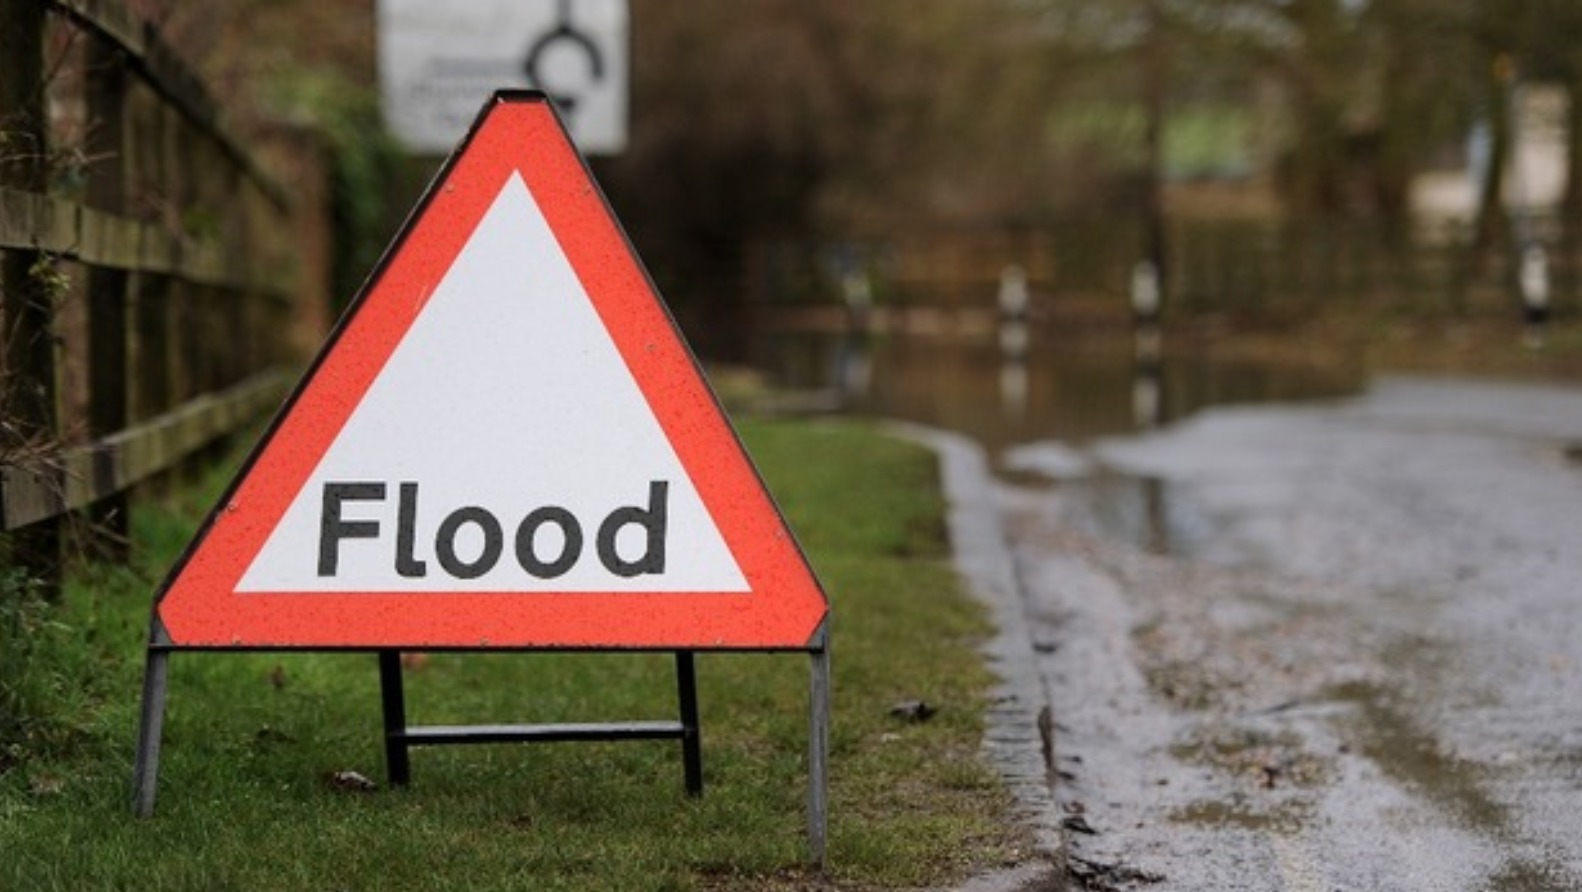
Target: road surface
[{"x": 1316, "y": 647}]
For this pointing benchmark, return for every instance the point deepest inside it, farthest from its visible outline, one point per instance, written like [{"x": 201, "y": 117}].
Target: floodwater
[
  {"x": 1017, "y": 383},
  {"x": 1300, "y": 632}
]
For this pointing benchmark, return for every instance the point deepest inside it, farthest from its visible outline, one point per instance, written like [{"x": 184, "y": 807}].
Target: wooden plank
[
  {"x": 107, "y": 240},
  {"x": 33, "y": 222},
  {"x": 48, "y": 487},
  {"x": 158, "y": 253},
  {"x": 151, "y": 392},
  {"x": 113, "y": 19},
  {"x": 108, "y": 336},
  {"x": 170, "y": 76}
]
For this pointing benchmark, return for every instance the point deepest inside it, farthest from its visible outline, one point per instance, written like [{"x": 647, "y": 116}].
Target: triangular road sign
[{"x": 504, "y": 444}]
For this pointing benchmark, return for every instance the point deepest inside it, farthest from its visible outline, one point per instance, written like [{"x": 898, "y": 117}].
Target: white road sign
[
  {"x": 439, "y": 61},
  {"x": 505, "y": 443},
  {"x": 477, "y": 461}
]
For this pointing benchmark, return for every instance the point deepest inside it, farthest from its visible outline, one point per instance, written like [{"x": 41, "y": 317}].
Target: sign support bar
[
  {"x": 150, "y": 728},
  {"x": 399, "y": 737},
  {"x": 392, "y": 695},
  {"x": 818, "y": 752},
  {"x": 691, "y": 737}
]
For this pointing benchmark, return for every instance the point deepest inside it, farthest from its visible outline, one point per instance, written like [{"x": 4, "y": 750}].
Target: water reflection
[
  {"x": 853, "y": 369},
  {"x": 1013, "y": 301},
  {"x": 1013, "y": 386},
  {"x": 1137, "y": 510},
  {"x": 1010, "y": 382},
  {"x": 1103, "y": 501},
  {"x": 1148, "y": 378}
]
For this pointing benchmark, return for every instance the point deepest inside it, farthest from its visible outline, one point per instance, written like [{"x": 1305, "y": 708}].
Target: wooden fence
[
  {"x": 1251, "y": 269},
  {"x": 1294, "y": 270},
  {"x": 146, "y": 267}
]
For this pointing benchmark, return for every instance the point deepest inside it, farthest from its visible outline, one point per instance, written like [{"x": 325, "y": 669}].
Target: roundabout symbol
[{"x": 563, "y": 36}]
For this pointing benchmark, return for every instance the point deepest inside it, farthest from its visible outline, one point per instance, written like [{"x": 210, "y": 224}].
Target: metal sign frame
[
  {"x": 399, "y": 737},
  {"x": 213, "y": 615}
]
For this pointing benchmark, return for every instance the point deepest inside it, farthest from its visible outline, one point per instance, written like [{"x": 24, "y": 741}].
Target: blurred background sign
[{"x": 438, "y": 62}]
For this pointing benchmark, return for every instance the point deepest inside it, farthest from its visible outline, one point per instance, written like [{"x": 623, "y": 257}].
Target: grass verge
[{"x": 252, "y": 741}]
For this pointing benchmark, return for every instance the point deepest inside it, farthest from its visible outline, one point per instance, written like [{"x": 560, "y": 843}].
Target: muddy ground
[{"x": 1329, "y": 646}]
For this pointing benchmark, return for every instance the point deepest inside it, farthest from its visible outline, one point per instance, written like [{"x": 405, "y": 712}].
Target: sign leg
[
  {"x": 151, "y": 725},
  {"x": 818, "y": 759},
  {"x": 691, "y": 734},
  {"x": 398, "y": 768}
]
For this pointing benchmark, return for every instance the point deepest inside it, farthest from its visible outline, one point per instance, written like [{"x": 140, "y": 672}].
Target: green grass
[{"x": 252, "y": 739}]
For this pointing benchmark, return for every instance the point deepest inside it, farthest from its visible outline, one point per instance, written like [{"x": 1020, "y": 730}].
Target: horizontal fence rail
[
  {"x": 78, "y": 477},
  {"x": 68, "y": 230}
]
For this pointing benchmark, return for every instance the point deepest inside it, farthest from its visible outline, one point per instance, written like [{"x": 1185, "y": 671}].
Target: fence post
[
  {"x": 107, "y": 288},
  {"x": 29, "y": 383}
]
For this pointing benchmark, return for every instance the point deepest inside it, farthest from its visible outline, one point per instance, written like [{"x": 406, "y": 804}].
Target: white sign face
[
  {"x": 438, "y": 61},
  {"x": 504, "y": 447}
]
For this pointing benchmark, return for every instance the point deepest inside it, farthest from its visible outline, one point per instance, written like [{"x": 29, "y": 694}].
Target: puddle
[
  {"x": 1266, "y": 760},
  {"x": 1525, "y": 876},
  {"x": 1139, "y": 511},
  {"x": 1287, "y": 817},
  {"x": 1142, "y": 511},
  {"x": 1382, "y": 731},
  {"x": 1185, "y": 684}
]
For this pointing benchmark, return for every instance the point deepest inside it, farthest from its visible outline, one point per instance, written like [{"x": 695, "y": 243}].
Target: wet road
[{"x": 1335, "y": 646}]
